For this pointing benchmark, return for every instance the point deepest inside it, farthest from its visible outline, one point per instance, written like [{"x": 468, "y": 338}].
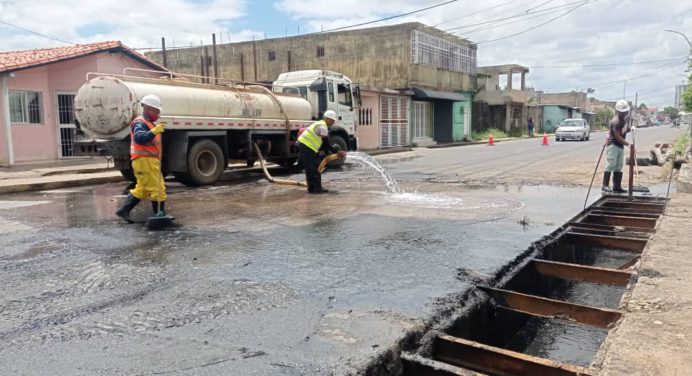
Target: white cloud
[
  {"x": 138, "y": 24},
  {"x": 600, "y": 32}
]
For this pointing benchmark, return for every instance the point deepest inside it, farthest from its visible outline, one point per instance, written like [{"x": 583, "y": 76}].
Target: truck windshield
[{"x": 345, "y": 95}]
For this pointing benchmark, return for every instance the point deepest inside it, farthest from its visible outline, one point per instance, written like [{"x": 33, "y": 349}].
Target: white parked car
[{"x": 573, "y": 129}]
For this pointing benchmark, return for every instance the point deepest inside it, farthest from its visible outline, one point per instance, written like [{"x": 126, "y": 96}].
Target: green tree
[
  {"x": 687, "y": 100},
  {"x": 603, "y": 115},
  {"x": 671, "y": 112},
  {"x": 643, "y": 105}
]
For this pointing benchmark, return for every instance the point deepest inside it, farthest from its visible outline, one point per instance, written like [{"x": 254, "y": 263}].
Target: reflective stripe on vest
[
  {"x": 151, "y": 149},
  {"x": 310, "y": 138}
]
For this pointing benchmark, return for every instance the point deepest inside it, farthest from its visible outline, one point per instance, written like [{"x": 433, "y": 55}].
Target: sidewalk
[
  {"x": 56, "y": 175},
  {"x": 655, "y": 336}
]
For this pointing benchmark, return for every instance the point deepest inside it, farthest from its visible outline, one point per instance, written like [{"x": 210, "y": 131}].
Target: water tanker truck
[{"x": 210, "y": 124}]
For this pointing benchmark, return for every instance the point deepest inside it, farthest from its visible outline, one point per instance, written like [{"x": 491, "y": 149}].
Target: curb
[{"x": 46, "y": 185}]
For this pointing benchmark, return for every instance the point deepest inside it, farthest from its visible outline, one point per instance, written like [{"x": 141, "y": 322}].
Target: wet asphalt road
[{"x": 258, "y": 279}]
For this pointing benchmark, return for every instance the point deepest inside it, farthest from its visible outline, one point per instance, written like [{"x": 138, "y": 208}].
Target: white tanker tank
[{"x": 105, "y": 106}]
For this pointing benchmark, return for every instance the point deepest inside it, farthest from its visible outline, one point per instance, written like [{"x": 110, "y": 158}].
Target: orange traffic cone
[
  {"x": 545, "y": 139},
  {"x": 490, "y": 140}
]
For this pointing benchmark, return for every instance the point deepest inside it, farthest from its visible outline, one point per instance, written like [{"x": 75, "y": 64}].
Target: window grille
[
  {"x": 430, "y": 50},
  {"x": 272, "y": 55},
  {"x": 320, "y": 51}
]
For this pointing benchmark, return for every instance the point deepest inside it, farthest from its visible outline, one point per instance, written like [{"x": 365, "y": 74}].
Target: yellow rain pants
[{"x": 150, "y": 185}]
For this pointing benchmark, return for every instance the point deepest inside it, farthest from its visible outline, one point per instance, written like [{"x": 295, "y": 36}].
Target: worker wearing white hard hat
[
  {"x": 313, "y": 139},
  {"x": 145, "y": 154},
  {"x": 618, "y": 128}
]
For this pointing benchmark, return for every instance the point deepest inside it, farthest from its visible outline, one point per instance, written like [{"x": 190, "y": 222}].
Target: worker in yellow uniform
[
  {"x": 145, "y": 153},
  {"x": 310, "y": 142}
]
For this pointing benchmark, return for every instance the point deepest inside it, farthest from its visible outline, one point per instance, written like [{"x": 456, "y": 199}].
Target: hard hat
[
  {"x": 330, "y": 114},
  {"x": 622, "y": 106},
  {"x": 152, "y": 100}
]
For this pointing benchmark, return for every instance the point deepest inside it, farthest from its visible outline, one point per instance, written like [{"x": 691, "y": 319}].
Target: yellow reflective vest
[{"x": 310, "y": 138}]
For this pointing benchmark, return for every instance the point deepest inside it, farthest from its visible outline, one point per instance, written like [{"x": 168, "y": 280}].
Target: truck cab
[{"x": 326, "y": 90}]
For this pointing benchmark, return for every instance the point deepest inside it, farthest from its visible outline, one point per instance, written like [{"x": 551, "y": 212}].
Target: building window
[
  {"x": 272, "y": 55},
  {"x": 320, "y": 51},
  {"x": 331, "y": 92},
  {"x": 364, "y": 116},
  {"x": 25, "y": 107},
  {"x": 431, "y": 50}
]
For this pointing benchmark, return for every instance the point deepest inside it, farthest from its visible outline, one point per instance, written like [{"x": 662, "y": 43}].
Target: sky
[{"x": 616, "y": 47}]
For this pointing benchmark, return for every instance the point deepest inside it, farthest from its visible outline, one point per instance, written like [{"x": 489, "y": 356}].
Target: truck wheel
[
  {"x": 205, "y": 163},
  {"x": 129, "y": 175},
  {"x": 339, "y": 144}
]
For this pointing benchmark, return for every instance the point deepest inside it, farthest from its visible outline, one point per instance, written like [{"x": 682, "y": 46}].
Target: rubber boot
[
  {"x": 155, "y": 207},
  {"x": 606, "y": 182},
  {"x": 617, "y": 182},
  {"x": 318, "y": 185},
  {"x": 129, "y": 204}
]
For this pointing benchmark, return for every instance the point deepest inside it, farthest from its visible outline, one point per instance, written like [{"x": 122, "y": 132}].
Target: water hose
[
  {"x": 325, "y": 161},
  {"x": 272, "y": 179}
]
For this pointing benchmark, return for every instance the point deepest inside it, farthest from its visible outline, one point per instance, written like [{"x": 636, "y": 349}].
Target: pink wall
[
  {"x": 35, "y": 142},
  {"x": 368, "y": 135},
  {"x": 41, "y": 142}
]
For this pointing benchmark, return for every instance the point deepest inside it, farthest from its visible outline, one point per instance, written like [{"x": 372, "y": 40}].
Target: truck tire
[
  {"x": 205, "y": 163},
  {"x": 338, "y": 143}
]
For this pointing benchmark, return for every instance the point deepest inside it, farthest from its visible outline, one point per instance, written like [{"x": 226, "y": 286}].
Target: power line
[
  {"x": 522, "y": 14},
  {"x": 645, "y": 75},
  {"x": 473, "y": 13},
  {"x": 384, "y": 19},
  {"x": 537, "y": 26},
  {"x": 34, "y": 32},
  {"x": 605, "y": 65},
  {"x": 537, "y": 14}
]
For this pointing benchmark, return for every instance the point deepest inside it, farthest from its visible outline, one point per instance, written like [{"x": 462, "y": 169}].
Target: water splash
[{"x": 370, "y": 164}]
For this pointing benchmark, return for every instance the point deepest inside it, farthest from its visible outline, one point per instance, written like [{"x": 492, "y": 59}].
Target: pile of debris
[{"x": 659, "y": 155}]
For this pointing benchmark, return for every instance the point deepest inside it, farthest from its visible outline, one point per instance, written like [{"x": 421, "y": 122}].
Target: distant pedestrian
[
  {"x": 145, "y": 153},
  {"x": 531, "y": 126},
  {"x": 310, "y": 142},
  {"x": 616, "y": 145}
]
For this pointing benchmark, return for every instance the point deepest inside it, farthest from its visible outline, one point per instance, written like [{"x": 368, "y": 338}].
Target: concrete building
[
  {"x": 501, "y": 106},
  {"x": 679, "y": 91},
  {"x": 436, "y": 70},
  {"x": 37, "y": 89}
]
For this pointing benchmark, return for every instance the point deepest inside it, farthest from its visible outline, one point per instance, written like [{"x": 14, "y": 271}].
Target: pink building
[
  {"x": 383, "y": 119},
  {"x": 37, "y": 89}
]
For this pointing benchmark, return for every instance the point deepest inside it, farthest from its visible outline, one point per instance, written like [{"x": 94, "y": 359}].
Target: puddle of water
[
  {"x": 591, "y": 294},
  {"x": 559, "y": 340}
]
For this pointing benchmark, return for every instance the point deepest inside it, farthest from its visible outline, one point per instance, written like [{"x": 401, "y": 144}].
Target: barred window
[
  {"x": 320, "y": 51},
  {"x": 271, "y": 55},
  {"x": 430, "y": 50}
]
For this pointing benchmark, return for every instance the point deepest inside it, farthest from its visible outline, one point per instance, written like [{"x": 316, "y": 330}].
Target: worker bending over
[{"x": 310, "y": 142}]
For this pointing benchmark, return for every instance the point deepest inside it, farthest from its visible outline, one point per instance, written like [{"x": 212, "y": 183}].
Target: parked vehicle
[
  {"x": 209, "y": 124},
  {"x": 573, "y": 129}
]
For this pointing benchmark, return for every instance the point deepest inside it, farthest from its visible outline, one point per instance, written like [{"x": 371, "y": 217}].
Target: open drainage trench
[{"x": 545, "y": 313}]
